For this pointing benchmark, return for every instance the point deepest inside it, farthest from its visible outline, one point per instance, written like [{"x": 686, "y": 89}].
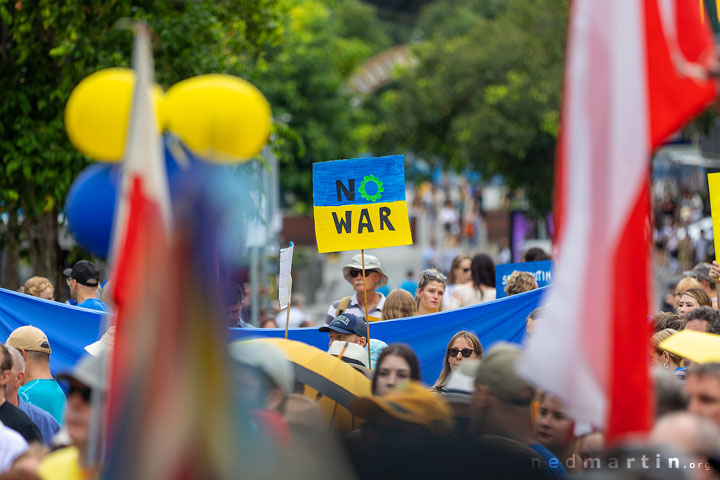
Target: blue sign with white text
[{"x": 541, "y": 270}]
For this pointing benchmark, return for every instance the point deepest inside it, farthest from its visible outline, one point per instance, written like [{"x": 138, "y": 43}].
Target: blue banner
[
  {"x": 541, "y": 270},
  {"x": 70, "y": 329}
]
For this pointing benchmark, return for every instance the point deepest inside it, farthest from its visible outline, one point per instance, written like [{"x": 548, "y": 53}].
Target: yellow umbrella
[
  {"x": 700, "y": 347},
  {"x": 332, "y": 383}
]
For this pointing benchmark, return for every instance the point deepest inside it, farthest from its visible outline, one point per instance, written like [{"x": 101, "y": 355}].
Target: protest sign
[
  {"x": 286, "y": 256},
  {"x": 360, "y": 203},
  {"x": 541, "y": 270},
  {"x": 714, "y": 191}
]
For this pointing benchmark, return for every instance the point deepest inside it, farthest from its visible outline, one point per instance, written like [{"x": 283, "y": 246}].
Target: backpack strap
[{"x": 342, "y": 306}]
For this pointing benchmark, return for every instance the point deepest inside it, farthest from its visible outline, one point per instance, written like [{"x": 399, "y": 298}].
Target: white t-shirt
[
  {"x": 297, "y": 317},
  {"x": 12, "y": 445}
]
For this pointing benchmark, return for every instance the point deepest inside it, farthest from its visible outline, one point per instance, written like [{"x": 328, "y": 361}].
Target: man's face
[
  {"x": 697, "y": 324},
  {"x": 72, "y": 285},
  {"x": 78, "y": 414},
  {"x": 232, "y": 313},
  {"x": 14, "y": 382},
  {"x": 346, "y": 337},
  {"x": 372, "y": 277},
  {"x": 704, "y": 393}
]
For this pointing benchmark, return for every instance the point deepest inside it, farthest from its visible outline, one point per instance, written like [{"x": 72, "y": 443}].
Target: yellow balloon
[
  {"x": 98, "y": 111},
  {"x": 220, "y": 117}
]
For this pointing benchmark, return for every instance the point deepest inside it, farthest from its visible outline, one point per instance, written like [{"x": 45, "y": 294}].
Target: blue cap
[{"x": 348, "y": 324}]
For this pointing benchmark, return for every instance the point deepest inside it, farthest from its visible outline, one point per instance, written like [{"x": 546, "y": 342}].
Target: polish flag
[
  {"x": 140, "y": 248},
  {"x": 635, "y": 72}
]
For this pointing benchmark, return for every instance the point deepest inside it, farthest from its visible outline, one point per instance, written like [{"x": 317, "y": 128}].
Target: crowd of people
[{"x": 478, "y": 413}]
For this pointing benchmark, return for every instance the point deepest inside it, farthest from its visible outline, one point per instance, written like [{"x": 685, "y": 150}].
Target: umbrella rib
[{"x": 324, "y": 385}]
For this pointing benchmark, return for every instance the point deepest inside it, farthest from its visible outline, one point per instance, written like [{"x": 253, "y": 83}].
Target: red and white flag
[{"x": 635, "y": 72}]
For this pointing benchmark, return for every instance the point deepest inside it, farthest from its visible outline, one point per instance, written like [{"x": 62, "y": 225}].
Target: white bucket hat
[{"x": 371, "y": 263}]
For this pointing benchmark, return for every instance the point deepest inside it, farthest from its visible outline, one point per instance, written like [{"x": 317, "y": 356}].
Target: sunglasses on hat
[
  {"x": 466, "y": 352},
  {"x": 355, "y": 273}
]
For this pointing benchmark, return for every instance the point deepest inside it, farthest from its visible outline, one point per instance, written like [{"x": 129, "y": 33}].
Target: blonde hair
[
  {"x": 474, "y": 341},
  {"x": 455, "y": 264},
  {"x": 398, "y": 304},
  {"x": 36, "y": 285},
  {"x": 520, "y": 282},
  {"x": 660, "y": 337}
]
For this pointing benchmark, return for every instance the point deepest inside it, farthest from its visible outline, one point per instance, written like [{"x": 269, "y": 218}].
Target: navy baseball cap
[{"x": 346, "y": 323}]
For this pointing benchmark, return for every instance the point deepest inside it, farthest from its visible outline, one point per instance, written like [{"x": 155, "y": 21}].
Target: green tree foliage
[
  {"x": 486, "y": 91},
  {"x": 305, "y": 82},
  {"x": 47, "y": 47}
]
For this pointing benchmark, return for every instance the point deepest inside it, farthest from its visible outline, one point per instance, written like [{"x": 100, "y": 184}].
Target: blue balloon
[{"x": 90, "y": 206}]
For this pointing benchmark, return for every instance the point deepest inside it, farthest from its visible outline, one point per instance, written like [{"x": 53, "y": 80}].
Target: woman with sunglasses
[
  {"x": 459, "y": 275},
  {"x": 482, "y": 287},
  {"x": 462, "y": 346},
  {"x": 431, "y": 288}
]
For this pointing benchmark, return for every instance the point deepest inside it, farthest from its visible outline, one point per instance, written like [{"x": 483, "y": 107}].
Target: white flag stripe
[{"x": 284, "y": 278}]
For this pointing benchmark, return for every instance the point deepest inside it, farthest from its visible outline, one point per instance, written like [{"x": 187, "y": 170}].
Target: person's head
[
  {"x": 460, "y": 270},
  {"x": 32, "y": 343},
  {"x": 398, "y": 304},
  {"x": 535, "y": 254},
  {"x": 501, "y": 396},
  {"x": 532, "y": 319},
  {"x": 232, "y": 297},
  {"x": 703, "y": 389},
  {"x": 39, "y": 287},
  {"x": 431, "y": 289},
  {"x": 689, "y": 433},
  {"x": 397, "y": 363},
  {"x": 591, "y": 445},
  {"x": 298, "y": 300},
  {"x": 346, "y": 327},
  {"x": 670, "y": 395},
  {"x": 18, "y": 373},
  {"x": 5, "y": 369},
  {"x": 264, "y": 376},
  {"x": 375, "y": 277},
  {"x": 520, "y": 282},
  {"x": 660, "y": 357},
  {"x": 703, "y": 319},
  {"x": 462, "y": 346},
  {"x": 684, "y": 285},
  {"x": 83, "y": 279},
  {"x": 693, "y": 298},
  {"x": 87, "y": 377},
  {"x": 701, "y": 273},
  {"x": 663, "y": 320},
  {"x": 483, "y": 271},
  {"x": 553, "y": 428}
]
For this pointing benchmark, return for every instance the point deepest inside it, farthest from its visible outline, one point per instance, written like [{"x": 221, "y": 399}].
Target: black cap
[{"x": 84, "y": 272}]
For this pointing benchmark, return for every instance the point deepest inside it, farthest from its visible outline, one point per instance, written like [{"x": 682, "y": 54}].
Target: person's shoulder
[
  {"x": 37, "y": 414},
  {"x": 94, "y": 304}
]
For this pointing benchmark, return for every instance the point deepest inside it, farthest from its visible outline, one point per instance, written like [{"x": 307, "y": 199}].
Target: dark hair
[
  {"x": 483, "y": 270},
  {"x": 39, "y": 357},
  {"x": 535, "y": 254},
  {"x": 401, "y": 350},
  {"x": 232, "y": 294},
  {"x": 6, "y": 363},
  {"x": 535, "y": 314},
  {"x": 663, "y": 320},
  {"x": 709, "y": 314}
]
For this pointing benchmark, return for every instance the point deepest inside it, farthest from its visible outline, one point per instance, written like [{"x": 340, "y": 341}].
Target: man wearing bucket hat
[{"x": 375, "y": 278}]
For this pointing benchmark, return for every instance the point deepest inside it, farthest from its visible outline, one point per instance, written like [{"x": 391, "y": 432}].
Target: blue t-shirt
[
  {"x": 554, "y": 465},
  {"x": 94, "y": 304},
  {"x": 409, "y": 286},
  {"x": 46, "y": 394},
  {"x": 45, "y": 422}
]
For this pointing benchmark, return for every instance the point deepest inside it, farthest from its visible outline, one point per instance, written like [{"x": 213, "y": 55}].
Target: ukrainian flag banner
[{"x": 360, "y": 203}]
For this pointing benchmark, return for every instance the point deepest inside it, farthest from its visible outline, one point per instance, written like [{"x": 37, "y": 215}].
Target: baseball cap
[
  {"x": 409, "y": 402},
  {"x": 30, "y": 339},
  {"x": 497, "y": 371},
  {"x": 700, "y": 272},
  {"x": 84, "y": 272},
  {"x": 371, "y": 263},
  {"x": 90, "y": 371},
  {"x": 348, "y": 324},
  {"x": 268, "y": 359}
]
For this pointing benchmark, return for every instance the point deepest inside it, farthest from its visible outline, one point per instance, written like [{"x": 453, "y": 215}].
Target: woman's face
[
  {"x": 686, "y": 304},
  {"x": 393, "y": 370},
  {"x": 552, "y": 428},
  {"x": 462, "y": 272},
  {"x": 459, "y": 344},
  {"x": 431, "y": 296},
  {"x": 47, "y": 294}
]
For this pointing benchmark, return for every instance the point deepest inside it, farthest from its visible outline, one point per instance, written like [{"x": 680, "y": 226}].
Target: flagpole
[
  {"x": 367, "y": 313},
  {"x": 287, "y": 319}
]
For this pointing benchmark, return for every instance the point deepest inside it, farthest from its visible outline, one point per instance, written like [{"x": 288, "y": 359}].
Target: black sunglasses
[
  {"x": 355, "y": 273},
  {"x": 80, "y": 389},
  {"x": 465, "y": 269},
  {"x": 466, "y": 352}
]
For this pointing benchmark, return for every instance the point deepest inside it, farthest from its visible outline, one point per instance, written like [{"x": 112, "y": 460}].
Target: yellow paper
[
  {"x": 700, "y": 347},
  {"x": 714, "y": 190}
]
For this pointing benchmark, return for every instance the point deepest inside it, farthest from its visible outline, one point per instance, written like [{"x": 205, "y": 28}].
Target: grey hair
[{"x": 18, "y": 362}]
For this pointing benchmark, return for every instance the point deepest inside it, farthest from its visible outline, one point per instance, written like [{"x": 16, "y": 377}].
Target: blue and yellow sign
[{"x": 360, "y": 203}]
